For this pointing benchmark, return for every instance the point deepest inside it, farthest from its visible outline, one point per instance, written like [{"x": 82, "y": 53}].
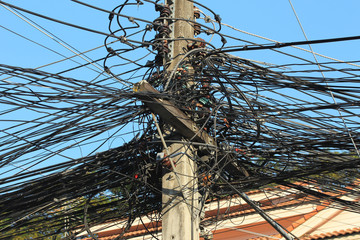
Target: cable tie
[
  {"x": 110, "y": 50},
  {"x": 111, "y": 16},
  {"x": 218, "y": 18}
]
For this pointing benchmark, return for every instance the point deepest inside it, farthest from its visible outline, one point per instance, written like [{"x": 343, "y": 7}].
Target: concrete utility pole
[
  {"x": 180, "y": 198},
  {"x": 180, "y": 203},
  {"x": 180, "y": 9},
  {"x": 180, "y": 219}
]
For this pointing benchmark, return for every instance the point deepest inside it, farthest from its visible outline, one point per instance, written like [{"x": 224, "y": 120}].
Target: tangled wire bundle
[{"x": 271, "y": 125}]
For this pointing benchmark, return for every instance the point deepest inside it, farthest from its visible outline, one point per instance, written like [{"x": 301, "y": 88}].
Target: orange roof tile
[
  {"x": 244, "y": 209},
  {"x": 333, "y": 234}
]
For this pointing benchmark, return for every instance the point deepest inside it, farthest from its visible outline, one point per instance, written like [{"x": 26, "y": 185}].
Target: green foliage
[
  {"x": 54, "y": 223},
  {"x": 36, "y": 228}
]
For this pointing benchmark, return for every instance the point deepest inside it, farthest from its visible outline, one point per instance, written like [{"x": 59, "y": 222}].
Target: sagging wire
[
  {"x": 284, "y": 114},
  {"x": 322, "y": 74}
]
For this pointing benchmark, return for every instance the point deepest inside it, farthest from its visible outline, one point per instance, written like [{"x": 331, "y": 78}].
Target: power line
[
  {"x": 331, "y": 93},
  {"x": 58, "y": 21},
  {"x": 51, "y": 36},
  {"x": 69, "y": 140},
  {"x": 281, "y": 45}
]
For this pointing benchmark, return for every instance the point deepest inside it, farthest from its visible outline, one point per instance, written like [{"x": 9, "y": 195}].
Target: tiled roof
[
  {"x": 348, "y": 231},
  {"x": 245, "y": 209},
  {"x": 230, "y": 212},
  {"x": 295, "y": 224}
]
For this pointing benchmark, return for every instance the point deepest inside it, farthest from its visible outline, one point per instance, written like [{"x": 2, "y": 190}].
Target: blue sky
[{"x": 272, "y": 19}]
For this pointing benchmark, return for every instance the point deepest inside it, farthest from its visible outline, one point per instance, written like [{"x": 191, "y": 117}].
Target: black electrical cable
[
  {"x": 270, "y": 126},
  {"x": 287, "y": 44},
  {"x": 58, "y": 21}
]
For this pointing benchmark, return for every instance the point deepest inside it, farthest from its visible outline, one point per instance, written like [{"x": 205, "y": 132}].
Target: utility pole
[
  {"x": 180, "y": 191},
  {"x": 180, "y": 9},
  {"x": 180, "y": 197}
]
